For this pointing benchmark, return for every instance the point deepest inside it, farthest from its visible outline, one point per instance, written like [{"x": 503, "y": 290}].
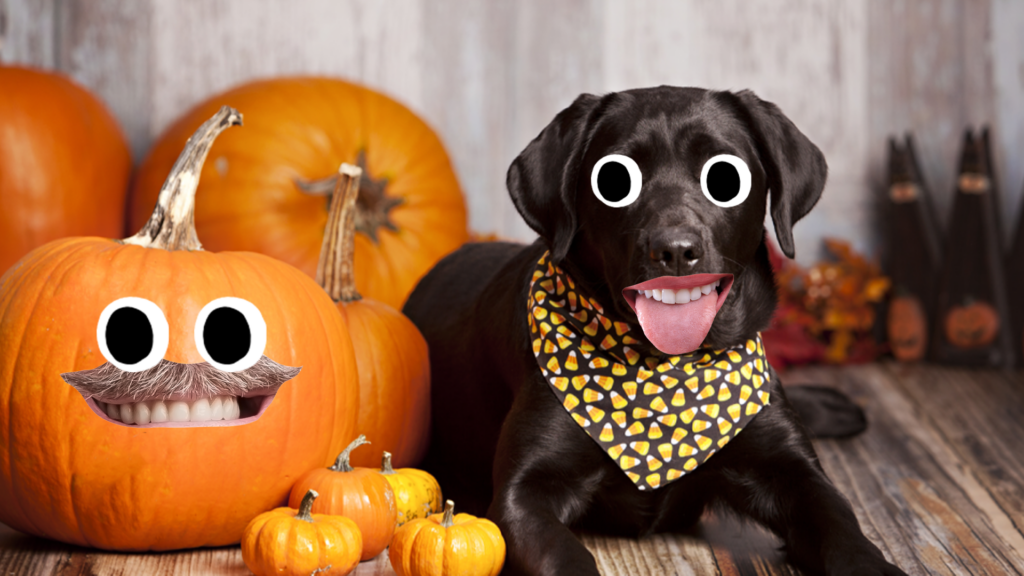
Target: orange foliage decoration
[{"x": 825, "y": 312}]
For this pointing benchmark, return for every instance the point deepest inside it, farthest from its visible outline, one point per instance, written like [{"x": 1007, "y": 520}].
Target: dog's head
[{"x": 653, "y": 197}]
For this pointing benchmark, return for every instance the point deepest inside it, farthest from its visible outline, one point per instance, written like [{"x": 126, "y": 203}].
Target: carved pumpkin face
[
  {"x": 160, "y": 324},
  {"x": 908, "y": 328},
  {"x": 972, "y": 326}
]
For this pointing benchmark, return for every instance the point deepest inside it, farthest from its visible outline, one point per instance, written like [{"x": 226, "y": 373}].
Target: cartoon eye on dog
[
  {"x": 138, "y": 386},
  {"x": 725, "y": 180},
  {"x": 616, "y": 180}
]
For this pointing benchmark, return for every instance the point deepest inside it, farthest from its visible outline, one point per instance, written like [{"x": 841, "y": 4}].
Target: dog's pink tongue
[{"x": 676, "y": 328}]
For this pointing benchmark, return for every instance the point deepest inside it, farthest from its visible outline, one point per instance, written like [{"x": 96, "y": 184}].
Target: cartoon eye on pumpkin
[
  {"x": 133, "y": 334},
  {"x": 616, "y": 180},
  {"x": 231, "y": 334},
  {"x": 725, "y": 180}
]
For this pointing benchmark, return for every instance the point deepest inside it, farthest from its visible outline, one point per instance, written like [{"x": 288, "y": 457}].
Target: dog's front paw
[{"x": 826, "y": 413}]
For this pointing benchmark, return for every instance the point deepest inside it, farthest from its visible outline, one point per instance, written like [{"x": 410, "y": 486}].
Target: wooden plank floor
[{"x": 937, "y": 483}]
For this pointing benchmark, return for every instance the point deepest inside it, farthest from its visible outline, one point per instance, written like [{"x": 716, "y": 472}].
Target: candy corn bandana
[{"x": 658, "y": 417}]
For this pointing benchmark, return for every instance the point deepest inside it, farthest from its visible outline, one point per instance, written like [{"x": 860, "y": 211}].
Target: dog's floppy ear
[
  {"x": 542, "y": 179},
  {"x": 795, "y": 168}
]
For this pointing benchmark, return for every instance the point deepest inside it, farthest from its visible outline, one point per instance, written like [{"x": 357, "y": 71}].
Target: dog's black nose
[{"x": 675, "y": 251}]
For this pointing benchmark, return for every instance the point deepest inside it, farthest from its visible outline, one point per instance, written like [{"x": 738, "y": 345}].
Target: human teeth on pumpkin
[
  {"x": 681, "y": 296},
  {"x": 159, "y": 411}
]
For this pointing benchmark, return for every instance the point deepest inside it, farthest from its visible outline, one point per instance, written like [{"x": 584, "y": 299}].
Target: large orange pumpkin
[
  {"x": 64, "y": 164},
  {"x": 391, "y": 354},
  {"x": 266, "y": 191},
  {"x": 70, "y": 473}
]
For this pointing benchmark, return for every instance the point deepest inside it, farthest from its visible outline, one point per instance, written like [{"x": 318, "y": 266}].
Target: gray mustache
[{"x": 171, "y": 379}]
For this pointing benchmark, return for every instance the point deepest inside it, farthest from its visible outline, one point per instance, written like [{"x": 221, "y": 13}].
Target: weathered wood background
[{"x": 488, "y": 75}]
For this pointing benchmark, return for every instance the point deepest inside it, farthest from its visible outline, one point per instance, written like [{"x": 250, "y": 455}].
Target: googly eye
[
  {"x": 616, "y": 180},
  {"x": 133, "y": 334},
  {"x": 725, "y": 180},
  {"x": 231, "y": 334}
]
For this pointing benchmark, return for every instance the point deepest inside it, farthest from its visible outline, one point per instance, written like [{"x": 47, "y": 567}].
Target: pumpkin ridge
[
  {"x": 45, "y": 259},
  {"x": 420, "y": 388},
  {"x": 338, "y": 435}
]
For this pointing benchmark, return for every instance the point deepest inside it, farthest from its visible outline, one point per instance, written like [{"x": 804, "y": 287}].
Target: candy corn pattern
[{"x": 658, "y": 417}]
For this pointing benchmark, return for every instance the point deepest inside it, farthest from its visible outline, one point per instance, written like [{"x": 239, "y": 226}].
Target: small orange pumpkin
[
  {"x": 907, "y": 328},
  {"x": 289, "y": 542},
  {"x": 448, "y": 544},
  {"x": 64, "y": 164},
  {"x": 973, "y": 325},
  {"x": 361, "y": 494},
  {"x": 417, "y": 493},
  {"x": 391, "y": 354}
]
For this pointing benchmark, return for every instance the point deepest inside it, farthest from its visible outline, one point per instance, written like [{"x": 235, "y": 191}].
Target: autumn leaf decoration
[{"x": 826, "y": 312}]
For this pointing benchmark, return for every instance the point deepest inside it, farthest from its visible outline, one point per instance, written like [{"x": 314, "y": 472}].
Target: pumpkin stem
[
  {"x": 449, "y": 514},
  {"x": 373, "y": 205},
  {"x": 342, "y": 464},
  {"x": 334, "y": 272},
  {"x": 385, "y": 465},
  {"x": 172, "y": 225},
  {"x": 306, "y": 506}
]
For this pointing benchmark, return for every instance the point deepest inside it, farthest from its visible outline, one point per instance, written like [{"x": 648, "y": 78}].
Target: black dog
[{"x": 657, "y": 211}]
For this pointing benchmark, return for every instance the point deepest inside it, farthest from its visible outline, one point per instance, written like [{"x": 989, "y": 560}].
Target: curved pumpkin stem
[
  {"x": 449, "y": 514},
  {"x": 335, "y": 271},
  {"x": 342, "y": 464},
  {"x": 172, "y": 225},
  {"x": 385, "y": 464},
  {"x": 306, "y": 506}
]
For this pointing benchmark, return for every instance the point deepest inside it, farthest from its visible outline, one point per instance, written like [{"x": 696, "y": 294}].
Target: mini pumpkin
[
  {"x": 448, "y": 544},
  {"x": 297, "y": 543},
  {"x": 361, "y": 494},
  {"x": 972, "y": 325},
  {"x": 64, "y": 163},
  {"x": 417, "y": 493},
  {"x": 268, "y": 193},
  {"x": 907, "y": 328},
  {"x": 391, "y": 354},
  {"x": 136, "y": 327}
]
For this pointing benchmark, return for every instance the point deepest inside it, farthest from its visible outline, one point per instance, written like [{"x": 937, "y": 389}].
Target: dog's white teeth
[{"x": 682, "y": 296}]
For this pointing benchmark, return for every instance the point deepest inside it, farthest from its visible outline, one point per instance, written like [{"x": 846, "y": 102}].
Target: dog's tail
[{"x": 825, "y": 412}]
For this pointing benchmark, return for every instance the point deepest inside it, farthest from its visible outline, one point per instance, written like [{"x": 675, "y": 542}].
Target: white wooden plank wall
[{"x": 488, "y": 75}]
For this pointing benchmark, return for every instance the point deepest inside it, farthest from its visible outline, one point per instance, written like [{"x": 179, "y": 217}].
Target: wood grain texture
[
  {"x": 931, "y": 72},
  {"x": 28, "y": 32},
  {"x": 935, "y": 482},
  {"x": 490, "y": 75},
  {"x": 1007, "y": 47}
]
